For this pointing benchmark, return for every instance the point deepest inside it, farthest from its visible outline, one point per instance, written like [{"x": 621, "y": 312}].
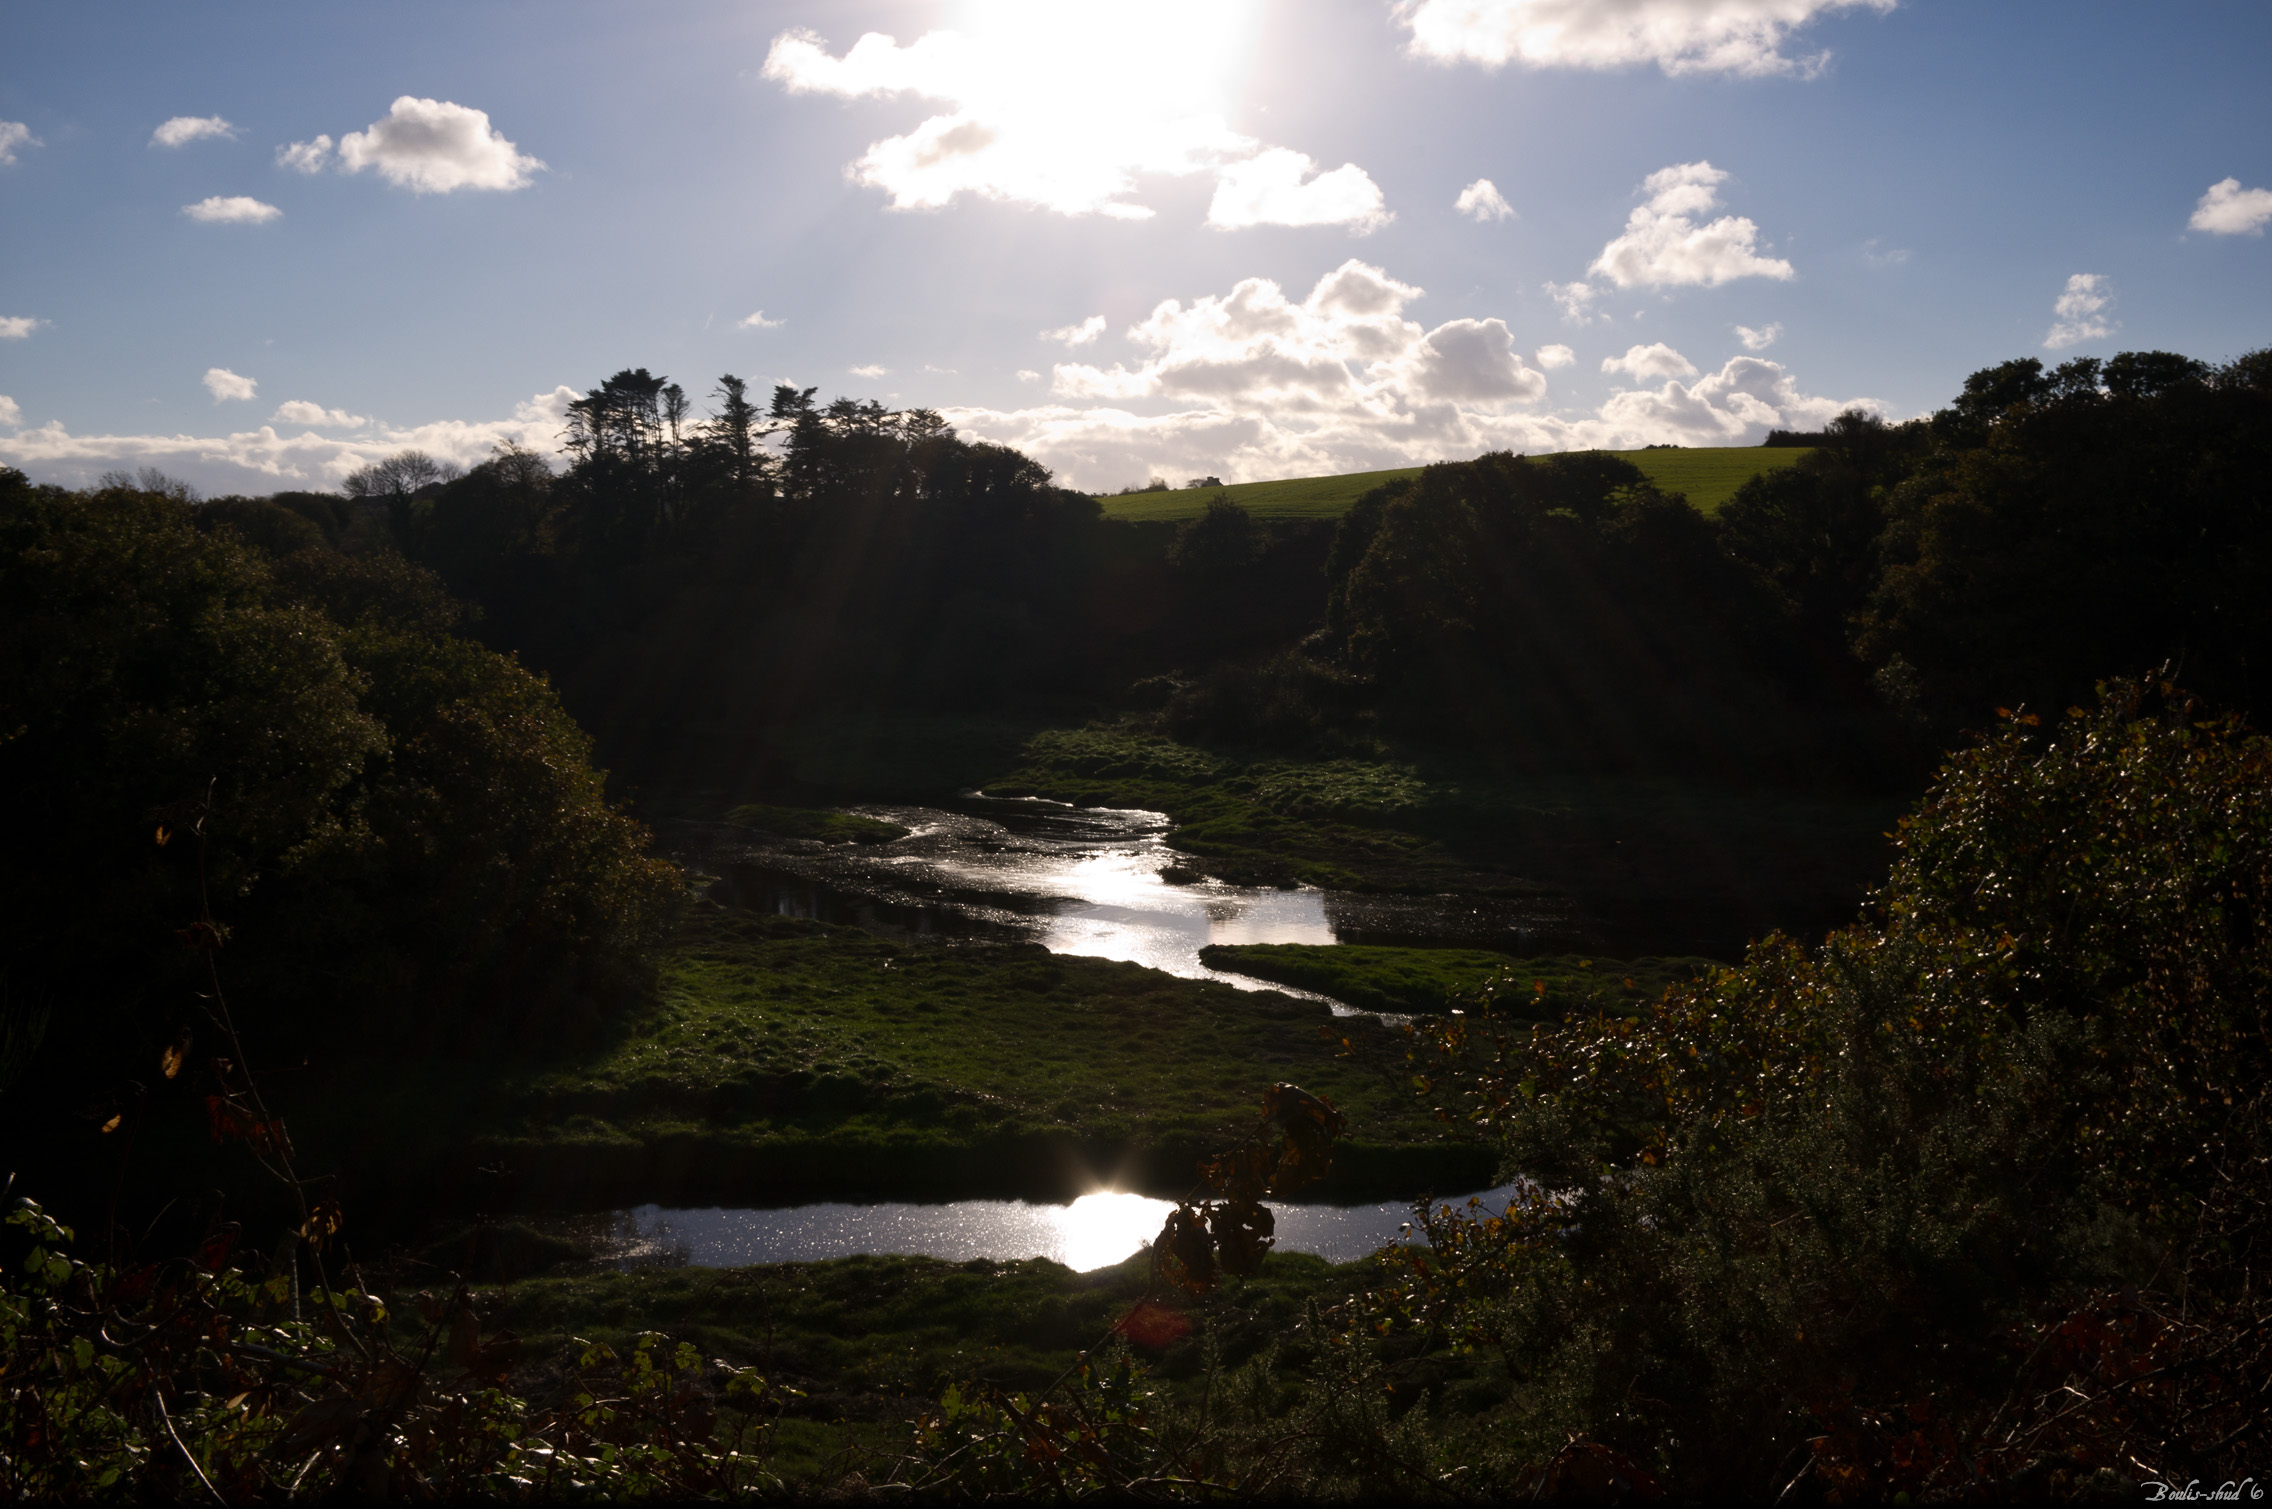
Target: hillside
[{"x": 1709, "y": 475}]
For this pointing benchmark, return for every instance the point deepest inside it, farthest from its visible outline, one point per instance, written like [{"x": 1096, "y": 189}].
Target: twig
[{"x": 158, "y": 1397}]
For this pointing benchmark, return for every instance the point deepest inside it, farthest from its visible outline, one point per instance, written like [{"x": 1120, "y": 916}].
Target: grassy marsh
[{"x": 788, "y": 1059}]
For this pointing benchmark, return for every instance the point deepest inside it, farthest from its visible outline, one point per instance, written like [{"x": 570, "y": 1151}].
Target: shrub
[{"x": 1888, "y": 1209}]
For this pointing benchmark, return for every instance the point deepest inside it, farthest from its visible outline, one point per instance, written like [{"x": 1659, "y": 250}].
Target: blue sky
[{"x": 1754, "y": 211}]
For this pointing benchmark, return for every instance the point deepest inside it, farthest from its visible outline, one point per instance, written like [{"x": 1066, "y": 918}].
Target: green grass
[
  {"x": 1709, "y": 475},
  {"x": 1414, "y": 980},
  {"x": 1389, "y": 826},
  {"x": 788, "y": 1059},
  {"x": 867, "y": 1339}
]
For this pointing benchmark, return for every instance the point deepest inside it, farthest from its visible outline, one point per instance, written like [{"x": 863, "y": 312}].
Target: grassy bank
[
  {"x": 1669, "y": 865},
  {"x": 787, "y": 1059},
  {"x": 1413, "y": 980},
  {"x": 1708, "y": 475}
]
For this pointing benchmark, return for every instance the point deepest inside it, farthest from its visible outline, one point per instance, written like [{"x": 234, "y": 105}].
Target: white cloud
[
  {"x": 1758, "y": 340},
  {"x": 1551, "y": 357},
  {"x": 1347, "y": 343},
  {"x": 262, "y": 460},
  {"x": 436, "y": 147},
  {"x": 1743, "y": 37},
  {"x": 1077, "y": 335},
  {"x": 1576, "y": 301},
  {"x": 10, "y": 415},
  {"x": 16, "y": 327},
  {"x": 1255, "y": 384},
  {"x": 2230, "y": 210},
  {"x": 2080, "y": 313},
  {"x": 1063, "y": 107},
  {"x": 758, "y": 321},
  {"x": 14, "y": 134},
  {"x": 1663, "y": 245},
  {"x": 870, "y": 371},
  {"x": 1646, "y": 362},
  {"x": 315, "y": 415},
  {"x": 305, "y": 156},
  {"x": 184, "y": 129},
  {"x": 1028, "y": 374},
  {"x": 236, "y": 209},
  {"x": 941, "y": 371},
  {"x": 225, "y": 385},
  {"x": 1483, "y": 200},
  {"x": 1892, "y": 256},
  {"x": 1283, "y": 187}
]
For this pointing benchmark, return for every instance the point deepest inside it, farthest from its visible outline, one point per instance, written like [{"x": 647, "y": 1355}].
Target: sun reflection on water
[{"x": 1101, "y": 1229}]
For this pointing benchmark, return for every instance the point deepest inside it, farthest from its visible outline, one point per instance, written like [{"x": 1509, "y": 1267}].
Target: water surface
[
  {"x": 1095, "y": 1231},
  {"x": 1093, "y": 881}
]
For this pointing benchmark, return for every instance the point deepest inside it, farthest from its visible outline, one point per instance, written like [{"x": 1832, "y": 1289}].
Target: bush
[
  {"x": 403, "y": 828},
  {"x": 1896, "y": 1210}
]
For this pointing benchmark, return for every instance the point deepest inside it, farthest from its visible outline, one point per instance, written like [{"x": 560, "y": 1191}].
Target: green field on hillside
[{"x": 1709, "y": 475}]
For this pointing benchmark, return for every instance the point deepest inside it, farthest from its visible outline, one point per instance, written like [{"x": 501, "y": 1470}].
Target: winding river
[{"x": 1100, "y": 882}]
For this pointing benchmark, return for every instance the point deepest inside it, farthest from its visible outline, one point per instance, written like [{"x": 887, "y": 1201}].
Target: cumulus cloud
[
  {"x": 225, "y": 385},
  {"x": 1077, "y": 335},
  {"x": 1758, "y": 340},
  {"x": 758, "y": 321},
  {"x": 305, "y": 156},
  {"x": 1283, "y": 187},
  {"x": 1651, "y": 361},
  {"x": 1482, "y": 200},
  {"x": 1347, "y": 343},
  {"x": 869, "y": 371},
  {"x": 436, "y": 147},
  {"x": 1062, "y": 108},
  {"x": 314, "y": 415},
  {"x": 14, "y": 134},
  {"x": 184, "y": 129},
  {"x": 2080, "y": 312},
  {"x": 1743, "y": 37},
  {"x": 1551, "y": 357},
  {"x": 234, "y": 209},
  {"x": 261, "y": 460},
  {"x": 2227, "y": 209},
  {"x": 1663, "y": 244},
  {"x": 1254, "y": 383},
  {"x": 16, "y": 327},
  {"x": 10, "y": 415},
  {"x": 1028, "y": 374},
  {"x": 1576, "y": 300}
]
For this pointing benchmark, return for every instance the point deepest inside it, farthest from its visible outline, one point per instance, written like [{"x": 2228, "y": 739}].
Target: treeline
[{"x": 697, "y": 585}]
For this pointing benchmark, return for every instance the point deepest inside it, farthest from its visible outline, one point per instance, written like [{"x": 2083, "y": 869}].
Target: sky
[{"x": 259, "y": 245}]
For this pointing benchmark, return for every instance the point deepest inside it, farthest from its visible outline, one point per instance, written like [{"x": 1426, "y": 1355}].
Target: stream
[
  {"x": 1077, "y": 880},
  {"x": 1100, "y": 882}
]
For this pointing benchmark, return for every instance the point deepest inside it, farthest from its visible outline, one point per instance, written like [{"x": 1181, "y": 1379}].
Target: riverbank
[
  {"x": 787, "y": 1060},
  {"x": 1632, "y": 864},
  {"x": 1420, "y": 980}
]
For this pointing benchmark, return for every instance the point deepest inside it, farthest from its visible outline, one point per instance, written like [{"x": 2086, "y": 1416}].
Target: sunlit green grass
[
  {"x": 1708, "y": 475},
  {"x": 1435, "y": 979},
  {"x": 791, "y": 1057}
]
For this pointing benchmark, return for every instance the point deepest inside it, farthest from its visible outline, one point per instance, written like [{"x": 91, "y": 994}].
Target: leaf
[
  {"x": 170, "y": 1061},
  {"x": 164, "y": 835},
  {"x": 1183, "y": 1255},
  {"x": 111, "y": 1125},
  {"x": 1243, "y": 1232}
]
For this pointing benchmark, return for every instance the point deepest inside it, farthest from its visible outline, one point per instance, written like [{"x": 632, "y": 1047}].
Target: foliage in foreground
[{"x": 1971, "y": 1197}]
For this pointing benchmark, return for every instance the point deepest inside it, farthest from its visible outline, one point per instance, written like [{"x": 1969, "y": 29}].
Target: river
[{"x": 1093, "y": 881}]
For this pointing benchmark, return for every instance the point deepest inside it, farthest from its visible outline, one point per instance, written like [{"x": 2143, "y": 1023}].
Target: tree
[{"x": 402, "y": 830}]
